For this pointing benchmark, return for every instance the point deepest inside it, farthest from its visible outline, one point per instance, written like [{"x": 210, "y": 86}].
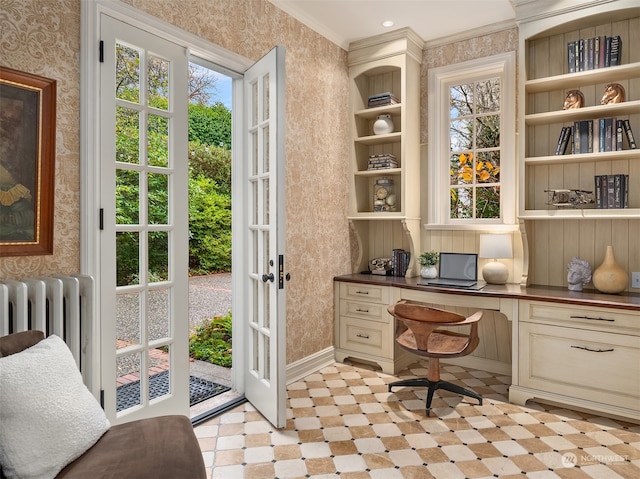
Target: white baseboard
[{"x": 311, "y": 364}]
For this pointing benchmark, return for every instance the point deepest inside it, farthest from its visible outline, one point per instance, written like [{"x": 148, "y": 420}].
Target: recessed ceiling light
[{"x": 387, "y": 23}]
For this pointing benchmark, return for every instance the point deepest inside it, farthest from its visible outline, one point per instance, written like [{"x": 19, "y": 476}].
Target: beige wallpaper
[{"x": 43, "y": 38}]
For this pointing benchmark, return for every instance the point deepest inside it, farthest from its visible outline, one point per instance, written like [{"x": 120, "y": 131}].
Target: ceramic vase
[
  {"x": 609, "y": 277},
  {"x": 383, "y": 125},
  {"x": 429, "y": 272}
]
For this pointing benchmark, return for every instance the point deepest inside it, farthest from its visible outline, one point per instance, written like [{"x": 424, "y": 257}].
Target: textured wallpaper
[{"x": 43, "y": 37}]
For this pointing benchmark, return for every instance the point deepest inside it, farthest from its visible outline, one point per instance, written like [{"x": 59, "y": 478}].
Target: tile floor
[{"x": 343, "y": 423}]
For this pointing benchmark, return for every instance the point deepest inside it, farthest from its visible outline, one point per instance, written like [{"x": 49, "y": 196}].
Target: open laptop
[{"x": 457, "y": 270}]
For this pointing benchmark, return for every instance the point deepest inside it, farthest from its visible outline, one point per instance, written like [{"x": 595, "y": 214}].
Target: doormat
[{"x": 128, "y": 395}]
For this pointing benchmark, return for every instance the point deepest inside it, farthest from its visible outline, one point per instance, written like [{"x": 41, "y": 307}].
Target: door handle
[{"x": 268, "y": 277}]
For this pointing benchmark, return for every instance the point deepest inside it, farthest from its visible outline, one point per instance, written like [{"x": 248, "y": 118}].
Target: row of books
[
  {"x": 382, "y": 162},
  {"x": 612, "y": 191},
  {"x": 592, "y": 53},
  {"x": 382, "y": 99},
  {"x": 400, "y": 261},
  {"x": 588, "y": 136}
]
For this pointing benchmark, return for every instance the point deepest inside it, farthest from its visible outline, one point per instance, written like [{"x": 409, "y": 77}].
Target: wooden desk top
[{"x": 553, "y": 294}]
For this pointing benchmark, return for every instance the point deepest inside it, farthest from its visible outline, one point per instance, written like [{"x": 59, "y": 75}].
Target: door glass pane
[
  {"x": 265, "y": 150},
  {"x": 158, "y": 141},
  {"x": 254, "y": 104},
  {"x": 266, "y": 360},
  {"x": 127, "y": 135},
  {"x": 127, "y": 258},
  {"x": 158, "y": 198},
  {"x": 159, "y": 373},
  {"x": 127, "y": 197},
  {"x": 265, "y": 201},
  {"x": 128, "y": 319},
  {"x": 158, "y": 314},
  {"x": 488, "y": 202},
  {"x": 265, "y": 100},
  {"x": 254, "y": 256},
  {"x": 158, "y": 88},
  {"x": 255, "y": 354},
  {"x": 266, "y": 305},
  {"x": 127, "y": 73},
  {"x": 255, "y": 203},
  {"x": 253, "y": 148},
  {"x": 158, "y": 252},
  {"x": 461, "y": 202},
  {"x": 128, "y": 392}
]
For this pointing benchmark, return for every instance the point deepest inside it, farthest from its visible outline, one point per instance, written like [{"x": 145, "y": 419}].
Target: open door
[{"x": 264, "y": 276}]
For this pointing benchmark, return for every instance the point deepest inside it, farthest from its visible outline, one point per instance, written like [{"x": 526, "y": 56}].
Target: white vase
[
  {"x": 429, "y": 272},
  {"x": 383, "y": 125}
]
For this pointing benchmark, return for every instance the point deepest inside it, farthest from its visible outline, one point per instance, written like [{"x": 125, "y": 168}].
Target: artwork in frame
[{"x": 27, "y": 162}]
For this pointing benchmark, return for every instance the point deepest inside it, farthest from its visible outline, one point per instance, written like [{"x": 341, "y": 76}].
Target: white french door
[
  {"x": 264, "y": 274},
  {"x": 144, "y": 216}
]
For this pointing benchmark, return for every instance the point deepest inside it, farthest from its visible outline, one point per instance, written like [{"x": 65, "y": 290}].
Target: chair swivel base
[{"x": 432, "y": 386}]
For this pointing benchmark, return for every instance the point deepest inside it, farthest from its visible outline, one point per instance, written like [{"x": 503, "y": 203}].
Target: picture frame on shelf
[{"x": 27, "y": 163}]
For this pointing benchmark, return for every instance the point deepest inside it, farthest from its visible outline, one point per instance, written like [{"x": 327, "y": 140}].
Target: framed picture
[{"x": 27, "y": 163}]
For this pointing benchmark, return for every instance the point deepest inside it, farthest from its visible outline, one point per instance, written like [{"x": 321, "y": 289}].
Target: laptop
[{"x": 457, "y": 270}]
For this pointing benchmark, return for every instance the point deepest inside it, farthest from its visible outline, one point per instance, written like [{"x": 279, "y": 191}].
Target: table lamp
[{"x": 495, "y": 247}]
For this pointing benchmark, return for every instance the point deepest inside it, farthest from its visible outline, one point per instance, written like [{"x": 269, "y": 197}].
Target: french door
[
  {"x": 144, "y": 237},
  {"x": 141, "y": 189}
]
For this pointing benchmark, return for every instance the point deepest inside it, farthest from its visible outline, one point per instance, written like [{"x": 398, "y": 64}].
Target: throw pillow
[{"x": 49, "y": 418}]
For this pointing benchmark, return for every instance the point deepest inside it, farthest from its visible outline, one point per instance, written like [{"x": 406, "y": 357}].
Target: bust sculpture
[
  {"x": 574, "y": 99},
  {"x": 614, "y": 93},
  {"x": 578, "y": 273}
]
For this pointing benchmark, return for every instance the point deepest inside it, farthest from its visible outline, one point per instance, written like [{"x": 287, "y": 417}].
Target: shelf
[
  {"x": 371, "y": 113},
  {"x": 584, "y": 113},
  {"x": 395, "y": 216},
  {"x": 379, "y": 139},
  {"x": 581, "y": 214},
  {"x": 584, "y": 157},
  {"x": 590, "y": 77},
  {"x": 381, "y": 172}
]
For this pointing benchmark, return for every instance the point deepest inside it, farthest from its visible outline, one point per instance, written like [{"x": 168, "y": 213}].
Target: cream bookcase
[
  {"x": 385, "y": 63},
  {"x": 544, "y": 67}
]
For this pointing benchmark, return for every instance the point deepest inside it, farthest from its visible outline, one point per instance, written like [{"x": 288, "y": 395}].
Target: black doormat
[{"x": 128, "y": 395}]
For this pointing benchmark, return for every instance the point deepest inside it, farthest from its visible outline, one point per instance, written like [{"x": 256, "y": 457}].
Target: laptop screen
[{"x": 459, "y": 266}]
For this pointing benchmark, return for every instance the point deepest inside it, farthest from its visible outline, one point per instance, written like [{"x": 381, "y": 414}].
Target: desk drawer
[
  {"x": 600, "y": 367},
  {"x": 602, "y": 319},
  {"x": 366, "y": 337},
  {"x": 364, "y": 292},
  {"x": 366, "y": 311}
]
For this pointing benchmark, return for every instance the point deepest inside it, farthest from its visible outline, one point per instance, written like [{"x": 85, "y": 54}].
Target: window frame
[{"x": 440, "y": 80}]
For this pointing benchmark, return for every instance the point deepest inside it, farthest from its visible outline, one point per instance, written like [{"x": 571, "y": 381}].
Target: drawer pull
[
  {"x": 362, "y": 292},
  {"x": 592, "y": 319},
  {"x": 362, "y": 310},
  {"x": 363, "y": 336},
  {"x": 593, "y": 350}
]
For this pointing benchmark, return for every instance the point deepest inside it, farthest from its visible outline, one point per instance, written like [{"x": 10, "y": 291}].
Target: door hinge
[
  {"x": 101, "y": 219},
  {"x": 102, "y": 398},
  {"x": 101, "y": 49}
]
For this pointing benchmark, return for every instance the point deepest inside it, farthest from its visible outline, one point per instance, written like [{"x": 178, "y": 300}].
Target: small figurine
[
  {"x": 574, "y": 99},
  {"x": 614, "y": 93},
  {"x": 578, "y": 273}
]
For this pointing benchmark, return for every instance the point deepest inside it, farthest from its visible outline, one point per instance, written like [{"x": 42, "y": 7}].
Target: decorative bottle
[{"x": 609, "y": 277}]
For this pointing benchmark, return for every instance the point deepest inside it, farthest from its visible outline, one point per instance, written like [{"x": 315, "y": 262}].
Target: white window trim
[{"x": 439, "y": 81}]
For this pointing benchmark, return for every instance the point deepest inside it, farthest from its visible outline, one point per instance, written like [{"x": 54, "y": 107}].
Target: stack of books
[
  {"x": 383, "y": 99},
  {"x": 612, "y": 191},
  {"x": 382, "y": 162},
  {"x": 400, "y": 261},
  {"x": 588, "y": 136},
  {"x": 592, "y": 53}
]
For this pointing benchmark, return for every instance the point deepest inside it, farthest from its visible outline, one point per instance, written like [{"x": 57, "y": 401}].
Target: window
[{"x": 472, "y": 143}]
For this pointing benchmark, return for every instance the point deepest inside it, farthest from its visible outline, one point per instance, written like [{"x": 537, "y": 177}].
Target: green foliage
[
  {"x": 209, "y": 227},
  {"x": 211, "y": 162},
  {"x": 211, "y": 341},
  {"x": 210, "y": 125},
  {"x": 428, "y": 258}
]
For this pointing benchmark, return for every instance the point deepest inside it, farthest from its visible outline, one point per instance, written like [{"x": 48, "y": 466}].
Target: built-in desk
[{"x": 580, "y": 349}]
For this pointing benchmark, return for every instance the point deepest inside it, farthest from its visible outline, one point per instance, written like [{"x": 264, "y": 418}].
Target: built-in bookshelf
[
  {"x": 546, "y": 163},
  {"x": 384, "y": 194}
]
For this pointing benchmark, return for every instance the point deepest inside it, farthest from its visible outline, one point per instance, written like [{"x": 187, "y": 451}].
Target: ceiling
[{"x": 344, "y": 21}]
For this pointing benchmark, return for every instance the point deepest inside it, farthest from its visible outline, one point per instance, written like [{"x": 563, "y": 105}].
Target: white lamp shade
[{"x": 495, "y": 246}]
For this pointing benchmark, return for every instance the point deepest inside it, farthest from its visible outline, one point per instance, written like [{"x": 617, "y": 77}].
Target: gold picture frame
[{"x": 27, "y": 163}]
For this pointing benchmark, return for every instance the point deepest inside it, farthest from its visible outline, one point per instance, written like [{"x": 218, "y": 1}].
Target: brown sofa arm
[{"x": 16, "y": 342}]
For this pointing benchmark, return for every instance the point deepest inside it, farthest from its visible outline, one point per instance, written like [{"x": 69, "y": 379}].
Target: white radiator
[{"x": 60, "y": 305}]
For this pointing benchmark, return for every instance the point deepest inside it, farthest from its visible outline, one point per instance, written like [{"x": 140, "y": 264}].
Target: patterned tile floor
[{"x": 343, "y": 423}]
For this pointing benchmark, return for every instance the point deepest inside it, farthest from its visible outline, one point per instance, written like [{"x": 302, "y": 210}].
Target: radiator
[{"x": 60, "y": 305}]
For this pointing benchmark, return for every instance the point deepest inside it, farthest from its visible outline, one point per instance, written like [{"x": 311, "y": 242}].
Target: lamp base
[{"x": 495, "y": 272}]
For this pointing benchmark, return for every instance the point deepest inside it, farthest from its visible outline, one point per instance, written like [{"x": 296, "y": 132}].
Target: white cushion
[{"x": 48, "y": 416}]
